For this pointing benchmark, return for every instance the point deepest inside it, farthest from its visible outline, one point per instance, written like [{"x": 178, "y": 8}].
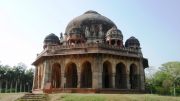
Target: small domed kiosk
[
  {"x": 51, "y": 39},
  {"x": 132, "y": 42}
]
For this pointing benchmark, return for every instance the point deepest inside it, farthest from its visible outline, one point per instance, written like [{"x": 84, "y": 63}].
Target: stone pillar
[
  {"x": 100, "y": 79},
  {"x": 113, "y": 80},
  {"x": 97, "y": 80},
  {"x": 63, "y": 79},
  {"x": 79, "y": 80},
  {"x": 78, "y": 74},
  {"x": 128, "y": 81},
  {"x": 35, "y": 79},
  {"x": 113, "y": 74},
  {"x": 47, "y": 74},
  {"x": 42, "y": 76},
  {"x": 38, "y": 78},
  {"x": 127, "y": 75},
  {"x": 63, "y": 75},
  {"x": 141, "y": 76},
  {"x": 97, "y": 72}
]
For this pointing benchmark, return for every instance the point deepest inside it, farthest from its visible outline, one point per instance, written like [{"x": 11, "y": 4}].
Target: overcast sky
[{"x": 25, "y": 23}]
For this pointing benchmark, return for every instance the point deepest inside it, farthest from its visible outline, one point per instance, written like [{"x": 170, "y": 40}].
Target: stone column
[
  {"x": 78, "y": 74},
  {"x": 100, "y": 80},
  {"x": 97, "y": 80},
  {"x": 79, "y": 80},
  {"x": 113, "y": 80},
  {"x": 35, "y": 79},
  {"x": 63, "y": 80},
  {"x": 113, "y": 74},
  {"x": 97, "y": 72},
  {"x": 63, "y": 75},
  {"x": 128, "y": 81},
  {"x": 127, "y": 76},
  {"x": 47, "y": 74},
  {"x": 141, "y": 76},
  {"x": 38, "y": 78}
]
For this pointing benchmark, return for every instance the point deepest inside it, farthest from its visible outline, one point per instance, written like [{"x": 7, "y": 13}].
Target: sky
[{"x": 25, "y": 23}]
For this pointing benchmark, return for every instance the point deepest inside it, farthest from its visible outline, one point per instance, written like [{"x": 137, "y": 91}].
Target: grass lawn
[
  {"x": 94, "y": 97},
  {"x": 10, "y": 96},
  {"x": 110, "y": 97}
]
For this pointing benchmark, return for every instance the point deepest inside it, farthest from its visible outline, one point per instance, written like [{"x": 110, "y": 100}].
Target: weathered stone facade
[{"x": 90, "y": 57}]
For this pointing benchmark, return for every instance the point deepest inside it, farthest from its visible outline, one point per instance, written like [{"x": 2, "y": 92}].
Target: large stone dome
[{"x": 89, "y": 19}]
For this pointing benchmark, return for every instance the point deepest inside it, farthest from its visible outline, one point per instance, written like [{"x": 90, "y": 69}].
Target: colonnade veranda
[{"x": 90, "y": 72}]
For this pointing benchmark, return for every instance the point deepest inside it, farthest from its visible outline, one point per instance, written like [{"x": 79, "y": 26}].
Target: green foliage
[
  {"x": 166, "y": 81},
  {"x": 15, "y": 79}
]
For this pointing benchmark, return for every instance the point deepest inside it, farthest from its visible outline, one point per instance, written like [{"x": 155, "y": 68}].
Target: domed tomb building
[{"x": 90, "y": 57}]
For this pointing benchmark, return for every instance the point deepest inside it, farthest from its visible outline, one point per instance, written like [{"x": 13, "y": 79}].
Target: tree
[
  {"x": 166, "y": 78},
  {"x": 2, "y": 76},
  {"x": 16, "y": 78},
  {"x": 173, "y": 70}
]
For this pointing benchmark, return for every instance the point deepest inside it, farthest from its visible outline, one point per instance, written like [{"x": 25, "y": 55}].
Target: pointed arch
[
  {"x": 120, "y": 78},
  {"x": 71, "y": 75},
  {"x": 56, "y": 75},
  {"x": 107, "y": 75},
  {"x": 86, "y": 75},
  {"x": 133, "y": 76}
]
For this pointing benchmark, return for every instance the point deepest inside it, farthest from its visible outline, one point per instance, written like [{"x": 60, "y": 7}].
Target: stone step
[{"x": 33, "y": 97}]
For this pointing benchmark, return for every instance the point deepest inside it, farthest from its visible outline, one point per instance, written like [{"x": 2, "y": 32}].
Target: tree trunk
[
  {"x": 28, "y": 88},
  {"x": 20, "y": 86},
  {"x": 24, "y": 87},
  {"x": 0, "y": 87},
  {"x": 16, "y": 87},
  {"x": 6, "y": 86},
  {"x": 10, "y": 87},
  {"x": 174, "y": 89}
]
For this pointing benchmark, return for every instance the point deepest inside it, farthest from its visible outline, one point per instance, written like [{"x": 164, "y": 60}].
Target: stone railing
[{"x": 97, "y": 47}]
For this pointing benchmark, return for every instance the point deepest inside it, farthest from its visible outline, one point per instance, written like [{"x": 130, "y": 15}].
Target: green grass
[
  {"x": 94, "y": 97},
  {"x": 111, "y": 97},
  {"x": 10, "y": 96}
]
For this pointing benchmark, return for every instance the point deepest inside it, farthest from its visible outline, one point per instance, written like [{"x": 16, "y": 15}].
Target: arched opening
[
  {"x": 86, "y": 75},
  {"x": 71, "y": 76},
  {"x": 112, "y": 42},
  {"x": 56, "y": 76},
  {"x": 120, "y": 81},
  {"x": 107, "y": 75},
  {"x": 118, "y": 43},
  {"x": 133, "y": 76}
]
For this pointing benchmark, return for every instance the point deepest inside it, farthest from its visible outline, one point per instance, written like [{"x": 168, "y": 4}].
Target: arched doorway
[
  {"x": 133, "y": 76},
  {"x": 107, "y": 75},
  {"x": 71, "y": 75},
  {"x": 56, "y": 76},
  {"x": 86, "y": 75},
  {"x": 120, "y": 81}
]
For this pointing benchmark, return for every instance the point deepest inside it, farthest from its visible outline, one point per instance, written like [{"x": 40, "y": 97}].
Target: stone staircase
[{"x": 33, "y": 97}]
